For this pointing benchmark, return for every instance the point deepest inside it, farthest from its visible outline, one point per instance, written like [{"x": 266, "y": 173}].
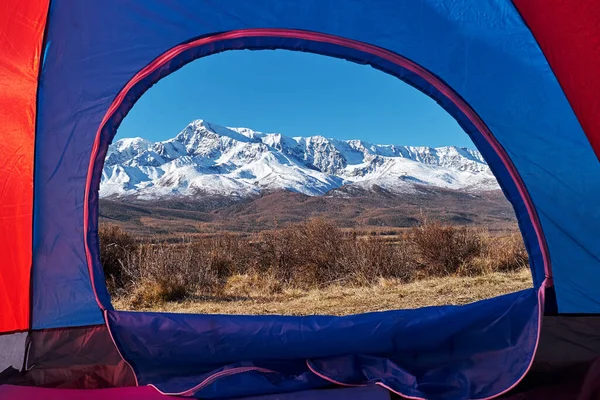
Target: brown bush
[
  {"x": 366, "y": 259},
  {"x": 506, "y": 253},
  {"x": 116, "y": 245},
  {"x": 158, "y": 273},
  {"x": 317, "y": 253},
  {"x": 445, "y": 249},
  {"x": 155, "y": 293},
  {"x": 307, "y": 253},
  {"x": 223, "y": 255}
]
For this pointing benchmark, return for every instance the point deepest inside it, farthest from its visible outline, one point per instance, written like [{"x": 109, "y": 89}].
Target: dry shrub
[
  {"x": 153, "y": 293},
  {"x": 116, "y": 245},
  {"x": 306, "y": 253},
  {"x": 210, "y": 262},
  {"x": 445, "y": 249},
  {"x": 162, "y": 272},
  {"x": 172, "y": 272},
  {"x": 506, "y": 253},
  {"x": 373, "y": 257},
  {"x": 159, "y": 273}
]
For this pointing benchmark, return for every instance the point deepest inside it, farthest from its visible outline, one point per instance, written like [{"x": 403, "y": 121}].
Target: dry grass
[
  {"x": 317, "y": 253},
  {"x": 116, "y": 245},
  {"x": 387, "y": 294},
  {"x": 446, "y": 249},
  {"x": 312, "y": 267}
]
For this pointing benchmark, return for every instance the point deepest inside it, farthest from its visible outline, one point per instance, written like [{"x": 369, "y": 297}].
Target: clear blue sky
[{"x": 293, "y": 93}]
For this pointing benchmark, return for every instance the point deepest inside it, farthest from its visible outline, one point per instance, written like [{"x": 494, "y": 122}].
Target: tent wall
[
  {"x": 504, "y": 78},
  {"x": 567, "y": 342},
  {"x": 509, "y": 84},
  {"x": 149, "y": 393},
  {"x": 21, "y": 30}
]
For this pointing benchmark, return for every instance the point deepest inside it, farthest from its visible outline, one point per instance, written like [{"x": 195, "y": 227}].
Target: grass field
[{"x": 386, "y": 294}]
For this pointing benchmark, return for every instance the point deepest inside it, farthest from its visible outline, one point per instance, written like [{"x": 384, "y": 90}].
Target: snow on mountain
[{"x": 205, "y": 158}]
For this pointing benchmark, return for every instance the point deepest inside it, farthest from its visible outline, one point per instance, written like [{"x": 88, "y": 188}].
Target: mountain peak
[
  {"x": 204, "y": 138},
  {"x": 135, "y": 142}
]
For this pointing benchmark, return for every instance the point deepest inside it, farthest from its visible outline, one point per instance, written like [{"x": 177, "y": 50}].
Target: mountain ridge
[{"x": 210, "y": 159}]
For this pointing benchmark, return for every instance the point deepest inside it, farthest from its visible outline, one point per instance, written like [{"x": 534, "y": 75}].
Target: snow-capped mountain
[{"x": 205, "y": 158}]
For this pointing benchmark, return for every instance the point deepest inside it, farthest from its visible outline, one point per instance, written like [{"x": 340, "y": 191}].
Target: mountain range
[{"x": 206, "y": 159}]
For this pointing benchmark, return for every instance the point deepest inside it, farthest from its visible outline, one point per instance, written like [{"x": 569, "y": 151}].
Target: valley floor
[{"x": 387, "y": 294}]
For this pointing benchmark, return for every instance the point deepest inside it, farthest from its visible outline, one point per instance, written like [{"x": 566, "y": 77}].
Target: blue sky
[{"x": 297, "y": 94}]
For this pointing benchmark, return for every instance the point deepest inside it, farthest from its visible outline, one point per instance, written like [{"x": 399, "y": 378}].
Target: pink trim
[
  {"x": 320, "y": 375},
  {"x": 324, "y": 38},
  {"x": 398, "y": 393},
  {"x": 118, "y": 350},
  {"x": 214, "y": 377}
]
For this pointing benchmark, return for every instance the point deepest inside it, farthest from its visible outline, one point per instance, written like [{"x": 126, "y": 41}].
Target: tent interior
[{"x": 519, "y": 78}]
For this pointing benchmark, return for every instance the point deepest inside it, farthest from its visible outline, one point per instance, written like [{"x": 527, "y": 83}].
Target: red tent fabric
[
  {"x": 567, "y": 32},
  {"x": 22, "y": 24}
]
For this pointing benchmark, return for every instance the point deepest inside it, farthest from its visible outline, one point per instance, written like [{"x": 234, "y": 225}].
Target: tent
[{"x": 519, "y": 76}]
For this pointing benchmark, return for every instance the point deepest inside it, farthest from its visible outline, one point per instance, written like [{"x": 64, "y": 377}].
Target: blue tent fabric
[{"x": 449, "y": 352}]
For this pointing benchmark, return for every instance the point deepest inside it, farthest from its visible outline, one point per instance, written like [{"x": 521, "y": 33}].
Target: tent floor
[
  {"x": 567, "y": 367},
  {"x": 8, "y": 392}
]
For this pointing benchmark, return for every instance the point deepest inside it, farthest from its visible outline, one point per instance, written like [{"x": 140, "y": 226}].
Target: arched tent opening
[
  {"x": 385, "y": 61},
  {"x": 75, "y": 70},
  {"x": 237, "y": 217}
]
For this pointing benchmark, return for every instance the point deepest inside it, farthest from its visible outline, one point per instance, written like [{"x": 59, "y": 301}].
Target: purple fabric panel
[{"x": 405, "y": 350}]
